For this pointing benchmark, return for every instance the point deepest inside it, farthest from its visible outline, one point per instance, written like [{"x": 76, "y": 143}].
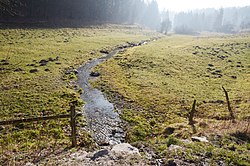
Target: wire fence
[{"x": 23, "y": 140}]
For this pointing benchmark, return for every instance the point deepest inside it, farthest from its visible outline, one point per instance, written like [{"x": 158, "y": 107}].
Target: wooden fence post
[
  {"x": 191, "y": 114},
  {"x": 72, "y": 116},
  {"x": 73, "y": 122},
  {"x": 228, "y": 105}
]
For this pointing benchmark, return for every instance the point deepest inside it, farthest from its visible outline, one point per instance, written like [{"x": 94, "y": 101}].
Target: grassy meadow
[
  {"x": 33, "y": 67},
  {"x": 154, "y": 86}
]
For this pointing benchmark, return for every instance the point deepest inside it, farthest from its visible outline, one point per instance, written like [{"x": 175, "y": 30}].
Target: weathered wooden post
[
  {"x": 73, "y": 122},
  {"x": 191, "y": 114},
  {"x": 229, "y": 106}
]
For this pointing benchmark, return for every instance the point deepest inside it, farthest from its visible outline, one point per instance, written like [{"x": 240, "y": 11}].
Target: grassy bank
[
  {"x": 33, "y": 67},
  {"x": 155, "y": 85}
]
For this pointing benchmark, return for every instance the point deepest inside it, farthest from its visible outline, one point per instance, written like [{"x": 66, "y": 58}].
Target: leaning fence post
[
  {"x": 228, "y": 105},
  {"x": 73, "y": 122},
  {"x": 191, "y": 114}
]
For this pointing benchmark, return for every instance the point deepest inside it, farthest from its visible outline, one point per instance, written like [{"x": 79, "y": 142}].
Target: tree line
[
  {"x": 143, "y": 12},
  {"x": 85, "y": 11},
  {"x": 226, "y": 20}
]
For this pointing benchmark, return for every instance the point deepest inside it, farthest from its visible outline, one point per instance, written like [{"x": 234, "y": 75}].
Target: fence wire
[{"x": 31, "y": 142}]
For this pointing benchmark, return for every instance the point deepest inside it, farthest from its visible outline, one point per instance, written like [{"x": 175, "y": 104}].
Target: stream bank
[{"x": 103, "y": 122}]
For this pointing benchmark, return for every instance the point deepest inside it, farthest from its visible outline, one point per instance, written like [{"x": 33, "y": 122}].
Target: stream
[{"x": 103, "y": 122}]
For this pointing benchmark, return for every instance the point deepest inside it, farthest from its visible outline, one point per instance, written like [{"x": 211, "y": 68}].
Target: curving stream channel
[{"x": 103, "y": 122}]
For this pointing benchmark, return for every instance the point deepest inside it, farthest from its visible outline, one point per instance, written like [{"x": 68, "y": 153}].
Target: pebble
[
  {"x": 125, "y": 148},
  {"x": 174, "y": 147},
  {"x": 99, "y": 154},
  {"x": 199, "y": 139}
]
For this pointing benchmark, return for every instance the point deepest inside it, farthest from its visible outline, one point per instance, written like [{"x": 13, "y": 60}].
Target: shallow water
[{"x": 103, "y": 122}]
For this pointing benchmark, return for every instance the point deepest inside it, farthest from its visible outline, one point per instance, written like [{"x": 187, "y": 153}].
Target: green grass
[
  {"x": 49, "y": 90},
  {"x": 155, "y": 85},
  {"x": 23, "y": 49}
]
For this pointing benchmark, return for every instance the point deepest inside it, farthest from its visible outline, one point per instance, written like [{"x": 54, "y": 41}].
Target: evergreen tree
[
  {"x": 166, "y": 24},
  {"x": 82, "y": 11},
  {"x": 219, "y": 20}
]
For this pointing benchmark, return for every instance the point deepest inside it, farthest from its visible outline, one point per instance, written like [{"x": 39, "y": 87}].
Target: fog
[
  {"x": 197, "y": 16},
  {"x": 187, "y": 5},
  {"x": 226, "y": 20}
]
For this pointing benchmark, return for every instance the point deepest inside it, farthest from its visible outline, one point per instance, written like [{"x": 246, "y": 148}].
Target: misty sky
[{"x": 184, "y": 5}]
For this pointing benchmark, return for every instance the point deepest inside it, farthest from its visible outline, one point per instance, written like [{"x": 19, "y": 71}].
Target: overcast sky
[{"x": 184, "y": 5}]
